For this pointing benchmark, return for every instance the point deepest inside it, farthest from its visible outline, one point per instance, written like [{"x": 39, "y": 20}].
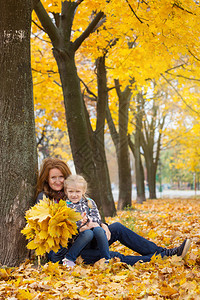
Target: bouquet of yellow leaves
[{"x": 50, "y": 225}]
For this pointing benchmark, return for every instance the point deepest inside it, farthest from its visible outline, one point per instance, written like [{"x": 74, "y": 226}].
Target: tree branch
[
  {"x": 182, "y": 76},
  {"x": 193, "y": 55},
  {"x": 88, "y": 30},
  {"x": 178, "y": 6},
  {"x": 88, "y": 90},
  {"x": 180, "y": 95},
  {"x": 133, "y": 12},
  {"x": 47, "y": 23}
]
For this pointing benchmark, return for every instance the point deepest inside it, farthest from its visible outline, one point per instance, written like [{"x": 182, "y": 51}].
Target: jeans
[
  {"x": 73, "y": 251},
  {"x": 89, "y": 239},
  {"x": 131, "y": 240},
  {"x": 100, "y": 242}
]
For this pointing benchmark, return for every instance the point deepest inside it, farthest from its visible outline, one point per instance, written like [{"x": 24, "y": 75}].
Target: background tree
[
  {"x": 87, "y": 146},
  {"x": 18, "y": 148},
  {"x": 153, "y": 29}
]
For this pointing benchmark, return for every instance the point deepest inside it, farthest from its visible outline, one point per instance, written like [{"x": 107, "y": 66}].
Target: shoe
[
  {"x": 181, "y": 250},
  {"x": 107, "y": 261},
  {"x": 68, "y": 263}
]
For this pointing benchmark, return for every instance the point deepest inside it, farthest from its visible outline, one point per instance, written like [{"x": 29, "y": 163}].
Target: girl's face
[
  {"x": 56, "y": 179},
  {"x": 74, "y": 192}
]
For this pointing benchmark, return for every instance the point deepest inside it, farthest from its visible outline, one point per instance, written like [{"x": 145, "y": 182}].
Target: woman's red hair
[{"x": 48, "y": 164}]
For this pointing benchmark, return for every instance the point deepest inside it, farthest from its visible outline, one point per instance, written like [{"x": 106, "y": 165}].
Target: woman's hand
[{"x": 108, "y": 233}]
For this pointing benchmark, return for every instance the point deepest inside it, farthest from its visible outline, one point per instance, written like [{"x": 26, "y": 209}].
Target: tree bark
[
  {"x": 139, "y": 171},
  {"x": 100, "y": 157},
  {"x": 151, "y": 148},
  {"x": 18, "y": 164},
  {"x": 124, "y": 168},
  {"x": 82, "y": 139}
]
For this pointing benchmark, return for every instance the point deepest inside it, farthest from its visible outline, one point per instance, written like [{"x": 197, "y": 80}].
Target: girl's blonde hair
[{"x": 76, "y": 180}]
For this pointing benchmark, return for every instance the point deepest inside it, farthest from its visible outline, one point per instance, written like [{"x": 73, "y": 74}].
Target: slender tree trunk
[
  {"x": 139, "y": 171},
  {"x": 124, "y": 168},
  {"x": 100, "y": 157},
  {"x": 151, "y": 177},
  {"x": 18, "y": 164},
  {"x": 151, "y": 148}
]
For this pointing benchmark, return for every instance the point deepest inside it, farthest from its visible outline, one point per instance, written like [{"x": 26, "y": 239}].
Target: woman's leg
[
  {"x": 79, "y": 244},
  {"x": 90, "y": 256},
  {"x": 130, "y": 259},
  {"x": 132, "y": 240},
  {"x": 102, "y": 242}
]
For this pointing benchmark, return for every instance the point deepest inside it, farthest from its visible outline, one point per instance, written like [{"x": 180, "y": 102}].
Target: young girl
[{"x": 75, "y": 188}]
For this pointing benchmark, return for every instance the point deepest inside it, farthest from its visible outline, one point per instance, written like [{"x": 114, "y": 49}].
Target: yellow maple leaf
[
  {"x": 24, "y": 295},
  {"x": 50, "y": 225}
]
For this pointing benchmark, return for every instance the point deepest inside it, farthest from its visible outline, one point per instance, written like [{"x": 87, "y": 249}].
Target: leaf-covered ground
[{"x": 166, "y": 222}]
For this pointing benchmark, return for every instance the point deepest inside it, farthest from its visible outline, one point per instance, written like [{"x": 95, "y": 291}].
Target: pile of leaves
[
  {"x": 166, "y": 222},
  {"x": 50, "y": 225}
]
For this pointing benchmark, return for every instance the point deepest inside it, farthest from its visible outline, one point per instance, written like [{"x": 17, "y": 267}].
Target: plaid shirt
[{"x": 86, "y": 205}]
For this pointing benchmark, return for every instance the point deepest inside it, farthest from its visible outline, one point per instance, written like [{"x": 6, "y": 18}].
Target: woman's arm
[{"x": 108, "y": 233}]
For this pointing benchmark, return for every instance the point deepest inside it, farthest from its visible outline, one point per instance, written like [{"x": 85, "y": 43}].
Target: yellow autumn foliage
[
  {"x": 50, "y": 225},
  {"x": 170, "y": 278}
]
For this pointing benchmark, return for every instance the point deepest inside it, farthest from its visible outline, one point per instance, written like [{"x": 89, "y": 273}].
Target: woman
[
  {"x": 51, "y": 183},
  {"x": 51, "y": 179}
]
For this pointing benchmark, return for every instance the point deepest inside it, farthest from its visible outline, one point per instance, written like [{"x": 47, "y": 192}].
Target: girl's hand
[
  {"x": 89, "y": 225},
  {"x": 93, "y": 224},
  {"x": 84, "y": 218}
]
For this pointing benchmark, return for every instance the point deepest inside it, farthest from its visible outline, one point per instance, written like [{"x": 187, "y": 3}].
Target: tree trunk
[
  {"x": 82, "y": 139},
  {"x": 100, "y": 157},
  {"x": 124, "y": 168},
  {"x": 18, "y": 146},
  {"x": 150, "y": 147},
  {"x": 151, "y": 177},
  {"x": 139, "y": 171}
]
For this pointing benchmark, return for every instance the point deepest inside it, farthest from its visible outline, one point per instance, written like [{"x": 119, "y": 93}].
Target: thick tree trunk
[
  {"x": 18, "y": 164},
  {"x": 81, "y": 136}
]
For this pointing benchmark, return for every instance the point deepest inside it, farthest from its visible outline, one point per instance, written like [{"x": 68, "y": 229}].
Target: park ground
[{"x": 167, "y": 222}]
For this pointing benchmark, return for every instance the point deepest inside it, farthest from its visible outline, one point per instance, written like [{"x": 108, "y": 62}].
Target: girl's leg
[
  {"x": 82, "y": 240},
  {"x": 132, "y": 240},
  {"x": 58, "y": 256},
  {"x": 102, "y": 242}
]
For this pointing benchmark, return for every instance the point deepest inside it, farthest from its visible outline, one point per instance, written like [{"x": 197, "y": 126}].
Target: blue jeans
[
  {"x": 89, "y": 239},
  {"x": 131, "y": 240},
  {"x": 100, "y": 243},
  {"x": 71, "y": 253}
]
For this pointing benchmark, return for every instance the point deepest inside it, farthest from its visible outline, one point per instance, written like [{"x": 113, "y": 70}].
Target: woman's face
[{"x": 56, "y": 179}]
